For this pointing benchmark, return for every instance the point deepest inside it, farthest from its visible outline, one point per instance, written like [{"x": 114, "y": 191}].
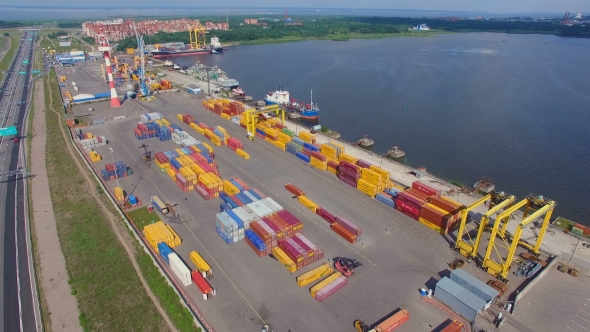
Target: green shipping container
[
  {"x": 576, "y": 230},
  {"x": 286, "y": 131}
]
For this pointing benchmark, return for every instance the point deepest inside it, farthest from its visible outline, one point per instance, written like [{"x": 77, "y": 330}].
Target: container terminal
[{"x": 407, "y": 264}]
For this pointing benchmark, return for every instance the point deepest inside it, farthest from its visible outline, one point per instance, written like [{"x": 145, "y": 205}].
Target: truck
[
  {"x": 158, "y": 204},
  {"x": 387, "y": 324}
]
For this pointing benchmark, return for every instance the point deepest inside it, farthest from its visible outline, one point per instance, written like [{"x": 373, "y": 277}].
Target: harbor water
[{"x": 512, "y": 108}]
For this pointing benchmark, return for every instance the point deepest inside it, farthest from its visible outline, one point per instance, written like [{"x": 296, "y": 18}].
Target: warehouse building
[{"x": 459, "y": 299}]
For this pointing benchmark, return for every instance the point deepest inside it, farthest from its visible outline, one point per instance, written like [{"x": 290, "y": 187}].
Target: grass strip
[
  {"x": 109, "y": 294},
  {"x": 9, "y": 55},
  {"x": 168, "y": 298}
]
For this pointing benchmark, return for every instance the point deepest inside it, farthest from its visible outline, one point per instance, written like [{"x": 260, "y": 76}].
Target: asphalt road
[{"x": 19, "y": 305}]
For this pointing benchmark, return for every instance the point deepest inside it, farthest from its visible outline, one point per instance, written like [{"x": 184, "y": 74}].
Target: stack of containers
[
  {"x": 256, "y": 243},
  {"x": 313, "y": 275},
  {"x": 307, "y": 137},
  {"x": 160, "y": 232},
  {"x": 121, "y": 170},
  {"x": 344, "y": 233},
  {"x": 92, "y": 143},
  {"x": 331, "y": 151},
  {"x": 426, "y": 188},
  {"x": 209, "y": 184},
  {"x": 435, "y": 218},
  {"x": 228, "y": 228},
  {"x": 283, "y": 137},
  {"x": 370, "y": 182},
  {"x": 234, "y": 144},
  {"x": 350, "y": 226},
  {"x": 180, "y": 270},
  {"x": 188, "y": 119},
  {"x": 409, "y": 204},
  {"x": 318, "y": 160},
  {"x": 151, "y": 117},
  {"x": 385, "y": 176},
  {"x": 349, "y": 173},
  {"x": 293, "y": 148},
  {"x": 386, "y": 198},
  {"x": 348, "y": 158},
  {"x": 333, "y": 166},
  {"x": 331, "y": 288},
  {"x": 332, "y": 277},
  {"x": 164, "y": 133},
  {"x": 288, "y": 132},
  {"x": 94, "y": 156},
  {"x": 222, "y": 133}
]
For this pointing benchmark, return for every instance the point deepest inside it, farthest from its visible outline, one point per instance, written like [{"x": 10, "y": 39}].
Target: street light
[{"x": 113, "y": 158}]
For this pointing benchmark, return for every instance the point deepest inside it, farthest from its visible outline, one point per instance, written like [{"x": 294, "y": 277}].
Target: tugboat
[
  {"x": 395, "y": 152},
  {"x": 168, "y": 63},
  {"x": 176, "y": 67},
  {"x": 216, "y": 47},
  {"x": 365, "y": 142},
  {"x": 292, "y": 105}
]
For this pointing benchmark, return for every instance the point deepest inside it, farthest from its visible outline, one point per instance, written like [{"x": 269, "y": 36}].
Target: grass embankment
[
  {"x": 566, "y": 224},
  {"x": 5, "y": 62},
  {"x": 109, "y": 294},
  {"x": 177, "y": 312}
]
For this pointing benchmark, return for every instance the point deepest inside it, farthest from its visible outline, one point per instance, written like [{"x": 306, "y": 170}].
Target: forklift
[
  {"x": 147, "y": 155},
  {"x": 345, "y": 265}
]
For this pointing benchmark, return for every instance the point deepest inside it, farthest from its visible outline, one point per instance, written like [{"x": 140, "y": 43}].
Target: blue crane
[{"x": 140, "y": 48}]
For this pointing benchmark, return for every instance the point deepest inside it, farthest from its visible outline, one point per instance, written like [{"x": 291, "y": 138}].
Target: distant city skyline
[{"x": 497, "y": 6}]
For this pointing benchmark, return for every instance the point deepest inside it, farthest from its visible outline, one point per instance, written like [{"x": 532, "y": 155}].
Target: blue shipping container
[
  {"x": 237, "y": 219},
  {"x": 310, "y": 146},
  {"x": 250, "y": 196},
  {"x": 298, "y": 140},
  {"x": 393, "y": 192},
  {"x": 224, "y": 207},
  {"x": 175, "y": 126},
  {"x": 175, "y": 164},
  {"x": 243, "y": 198},
  {"x": 164, "y": 250},
  {"x": 302, "y": 157},
  {"x": 384, "y": 199},
  {"x": 228, "y": 241},
  {"x": 260, "y": 132},
  {"x": 256, "y": 241},
  {"x": 236, "y": 184},
  {"x": 255, "y": 194},
  {"x": 228, "y": 201}
]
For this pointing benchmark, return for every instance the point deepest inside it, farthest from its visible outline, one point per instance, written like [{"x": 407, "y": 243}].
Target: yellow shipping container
[
  {"x": 384, "y": 174},
  {"x": 313, "y": 275},
  {"x": 284, "y": 138},
  {"x": 366, "y": 187},
  {"x": 177, "y": 239},
  {"x": 271, "y": 132},
  {"x": 216, "y": 140},
  {"x": 193, "y": 125},
  {"x": 171, "y": 172},
  {"x": 188, "y": 174},
  {"x": 221, "y": 129},
  {"x": 323, "y": 165},
  {"x": 119, "y": 194},
  {"x": 165, "y": 234},
  {"x": 197, "y": 169},
  {"x": 198, "y": 260},
  {"x": 332, "y": 170},
  {"x": 371, "y": 176},
  {"x": 166, "y": 122},
  {"x": 179, "y": 151},
  {"x": 199, "y": 130},
  {"x": 208, "y": 147},
  {"x": 282, "y": 257},
  {"x": 347, "y": 158},
  {"x": 307, "y": 137},
  {"x": 308, "y": 203},
  {"x": 341, "y": 146},
  {"x": 207, "y": 181},
  {"x": 280, "y": 145},
  {"x": 243, "y": 154},
  {"x": 179, "y": 116},
  {"x": 323, "y": 283},
  {"x": 229, "y": 188},
  {"x": 225, "y": 116},
  {"x": 430, "y": 225}
]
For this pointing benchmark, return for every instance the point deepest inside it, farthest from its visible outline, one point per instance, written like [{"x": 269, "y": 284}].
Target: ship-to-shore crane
[{"x": 141, "y": 49}]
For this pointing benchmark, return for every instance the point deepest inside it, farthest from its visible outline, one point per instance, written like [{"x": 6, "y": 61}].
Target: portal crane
[
  {"x": 498, "y": 201},
  {"x": 252, "y": 113},
  {"x": 140, "y": 48},
  {"x": 541, "y": 206},
  {"x": 194, "y": 33}
]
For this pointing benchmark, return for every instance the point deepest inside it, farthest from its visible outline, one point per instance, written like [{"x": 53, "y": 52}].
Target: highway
[{"x": 20, "y": 310}]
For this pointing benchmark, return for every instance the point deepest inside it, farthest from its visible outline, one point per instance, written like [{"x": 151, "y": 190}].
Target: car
[{"x": 16, "y": 140}]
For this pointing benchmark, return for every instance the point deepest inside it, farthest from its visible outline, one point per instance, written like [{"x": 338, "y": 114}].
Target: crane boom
[{"x": 141, "y": 49}]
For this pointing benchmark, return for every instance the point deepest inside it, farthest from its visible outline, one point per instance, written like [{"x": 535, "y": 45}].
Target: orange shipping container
[{"x": 344, "y": 233}]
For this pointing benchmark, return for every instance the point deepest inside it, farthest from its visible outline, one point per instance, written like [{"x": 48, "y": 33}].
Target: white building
[{"x": 421, "y": 27}]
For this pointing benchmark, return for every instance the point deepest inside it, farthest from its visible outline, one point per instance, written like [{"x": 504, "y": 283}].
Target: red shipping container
[
  {"x": 295, "y": 223},
  {"x": 138, "y": 132},
  {"x": 161, "y": 158},
  {"x": 268, "y": 229},
  {"x": 202, "y": 191},
  {"x": 261, "y": 232},
  {"x": 307, "y": 250},
  {"x": 318, "y": 155},
  {"x": 420, "y": 194},
  {"x": 258, "y": 252},
  {"x": 333, "y": 164},
  {"x": 325, "y": 215},
  {"x": 411, "y": 199},
  {"x": 350, "y": 226},
  {"x": 241, "y": 183},
  {"x": 236, "y": 200},
  {"x": 292, "y": 252},
  {"x": 346, "y": 180},
  {"x": 201, "y": 283},
  {"x": 283, "y": 225},
  {"x": 234, "y": 143},
  {"x": 142, "y": 127},
  {"x": 278, "y": 231},
  {"x": 427, "y": 189},
  {"x": 344, "y": 233},
  {"x": 206, "y": 167},
  {"x": 188, "y": 119},
  {"x": 109, "y": 167},
  {"x": 349, "y": 166},
  {"x": 279, "y": 126},
  {"x": 203, "y": 126},
  {"x": 294, "y": 190},
  {"x": 407, "y": 209},
  {"x": 306, "y": 152},
  {"x": 331, "y": 288},
  {"x": 350, "y": 174},
  {"x": 445, "y": 205}
]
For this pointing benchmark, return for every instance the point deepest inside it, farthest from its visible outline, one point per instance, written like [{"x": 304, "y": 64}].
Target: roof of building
[
  {"x": 473, "y": 281},
  {"x": 461, "y": 294}
]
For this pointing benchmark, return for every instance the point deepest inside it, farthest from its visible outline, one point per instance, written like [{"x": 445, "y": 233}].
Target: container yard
[{"x": 270, "y": 216}]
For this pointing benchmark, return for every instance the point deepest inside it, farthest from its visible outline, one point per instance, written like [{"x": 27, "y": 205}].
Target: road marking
[
  {"x": 584, "y": 312},
  {"x": 571, "y": 328},
  {"x": 580, "y": 325},
  {"x": 20, "y": 309},
  {"x": 582, "y": 318}
]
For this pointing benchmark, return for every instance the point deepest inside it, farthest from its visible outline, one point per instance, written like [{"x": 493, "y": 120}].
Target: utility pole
[
  {"x": 208, "y": 84},
  {"x": 576, "y": 247}
]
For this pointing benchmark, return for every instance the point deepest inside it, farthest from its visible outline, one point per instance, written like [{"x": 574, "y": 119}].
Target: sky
[{"x": 497, "y": 6}]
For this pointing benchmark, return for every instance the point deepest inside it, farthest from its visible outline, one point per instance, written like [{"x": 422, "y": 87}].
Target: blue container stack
[
  {"x": 293, "y": 148},
  {"x": 310, "y": 147},
  {"x": 384, "y": 199},
  {"x": 219, "y": 133},
  {"x": 224, "y": 207},
  {"x": 104, "y": 174},
  {"x": 303, "y": 157},
  {"x": 163, "y": 133},
  {"x": 260, "y": 132},
  {"x": 255, "y": 240},
  {"x": 235, "y": 183},
  {"x": 298, "y": 140},
  {"x": 120, "y": 169},
  {"x": 392, "y": 191},
  {"x": 228, "y": 201},
  {"x": 164, "y": 250},
  {"x": 235, "y": 218},
  {"x": 255, "y": 194},
  {"x": 152, "y": 128},
  {"x": 175, "y": 127},
  {"x": 175, "y": 164},
  {"x": 186, "y": 151}
]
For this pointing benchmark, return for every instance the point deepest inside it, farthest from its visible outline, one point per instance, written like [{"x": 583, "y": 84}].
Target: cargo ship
[
  {"x": 215, "y": 48},
  {"x": 291, "y": 105}
]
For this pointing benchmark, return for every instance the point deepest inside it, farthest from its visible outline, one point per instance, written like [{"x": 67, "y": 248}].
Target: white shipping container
[
  {"x": 183, "y": 134},
  {"x": 176, "y": 139},
  {"x": 155, "y": 116},
  {"x": 242, "y": 214},
  {"x": 250, "y": 196},
  {"x": 180, "y": 270},
  {"x": 227, "y": 222},
  {"x": 269, "y": 205},
  {"x": 143, "y": 118},
  {"x": 252, "y": 213},
  {"x": 273, "y": 202},
  {"x": 260, "y": 209},
  {"x": 186, "y": 142}
]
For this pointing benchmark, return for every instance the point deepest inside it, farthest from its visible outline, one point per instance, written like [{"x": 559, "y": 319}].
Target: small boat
[
  {"x": 168, "y": 63},
  {"x": 365, "y": 141},
  {"x": 182, "y": 71},
  {"x": 176, "y": 67},
  {"x": 215, "y": 52},
  {"x": 238, "y": 90},
  {"x": 395, "y": 152}
]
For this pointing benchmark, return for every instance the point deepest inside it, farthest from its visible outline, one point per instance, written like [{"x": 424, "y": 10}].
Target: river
[{"x": 512, "y": 108}]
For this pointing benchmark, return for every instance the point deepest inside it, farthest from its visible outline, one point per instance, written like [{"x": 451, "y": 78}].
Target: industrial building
[{"x": 119, "y": 29}]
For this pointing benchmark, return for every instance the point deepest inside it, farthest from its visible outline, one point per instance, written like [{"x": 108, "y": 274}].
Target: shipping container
[
  {"x": 202, "y": 266},
  {"x": 331, "y": 288},
  {"x": 350, "y": 226},
  {"x": 428, "y": 189},
  {"x": 313, "y": 290},
  {"x": 308, "y": 203},
  {"x": 325, "y": 215},
  {"x": 393, "y": 322},
  {"x": 410, "y": 199},
  {"x": 203, "y": 285},
  {"x": 294, "y": 190},
  {"x": 454, "y": 326},
  {"x": 282, "y": 257},
  {"x": 420, "y": 194},
  {"x": 158, "y": 204},
  {"x": 180, "y": 270},
  {"x": 164, "y": 251},
  {"x": 435, "y": 215},
  {"x": 386, "y": 199},
  {"x": 344, "y": 233},
  {"x": 313, "y": 275},
  {"x": 407, "y": 209}
]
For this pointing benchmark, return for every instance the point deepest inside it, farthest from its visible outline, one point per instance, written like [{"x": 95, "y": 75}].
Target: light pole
[
  {"x": 576, "y": 247},
  {"x": 113, "y": 159}
]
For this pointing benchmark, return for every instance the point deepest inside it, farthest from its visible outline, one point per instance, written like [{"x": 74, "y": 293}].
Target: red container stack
[
  {"x": 188, "y": 119},
  {"x": 436, "y": 217},
  {"x": 344, "y": 233},
  {"x": 350, "y": 226},
  {"x": 294, "y": 190},
  {"x": 416, "y": 202},
  {"x": 295, "y": 223},
  {"x": 246, "y": 187},
  {"x": 161, "y": 157},
  {"x": 218, "y": 109},
  {"x": 317, "y": 155},
  {"x": 326, "y": 215},
  {"x": 183, "y": 183},
  {"x": 202, "y": 191},
  {"x": 234, "y": 144},
  {"x": 408, "y": 209},
  {"x": 420, "y": 194},
  {"x": 427, "y": 189}
]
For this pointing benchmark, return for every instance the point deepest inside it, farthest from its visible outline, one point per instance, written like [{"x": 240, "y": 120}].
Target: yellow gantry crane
[
  {"x": 194, "y": 34},
  {"x": 251, "y": 115},
  {"x": 469, "y": 247},
  {"x": 541, "y": 207}
]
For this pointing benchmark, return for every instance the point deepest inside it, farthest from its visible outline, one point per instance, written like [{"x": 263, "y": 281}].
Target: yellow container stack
[
  {"x": 162, "y": 166},
  {"x": 208, "y": 147},
  {"x": 94, "y": 156},
  {"x": 160, "y": 232},
  {"x": 307, "y": 137},
  {"x": 229, "y": 188},
  {"x": 225, "y": 116},
  {"x": 243, "y": 154},
  {"x": 188, "y": 174},
  {"x": 323, "y": 283},
  {"x": 197, "y": 169},
  {"x": 329, "y": 151},
  {"x": 313, "y": 275},
  {"x": 171, "y": 173},
  {"x": 282, "y": 257},
  {"x": 308, "y": 203},
  {"x": 166, "y": 122},
  {"x": 367, "y": 188},
  {"x": 179, "y": 116},
  {"x": 323, "y": 165},
  {"x": 179, "y": 151},
  {"x": 119, "y": 194},
  {"x": 284, "y": 138},
  {"x": 385, "y": 176}
]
